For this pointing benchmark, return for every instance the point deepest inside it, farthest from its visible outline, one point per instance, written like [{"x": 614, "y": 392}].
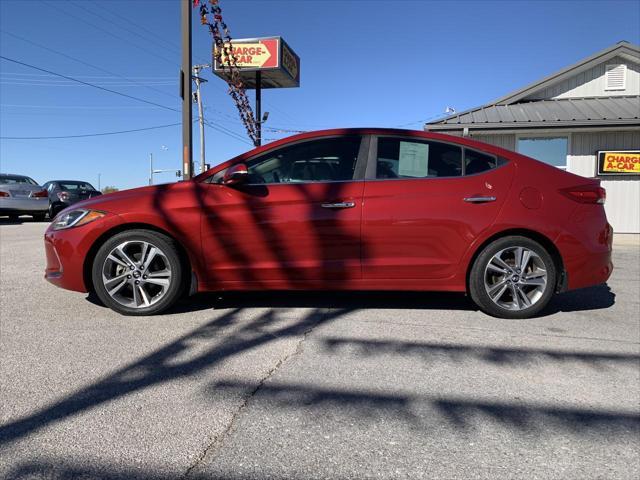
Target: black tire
[
  {"x": 479, "y": 293},
  {"x": 13, "y": 218},
  {"x": 53, "y": 211},
  {"x": 39, "y": 217},
  {"x": 170, "y": 251}
]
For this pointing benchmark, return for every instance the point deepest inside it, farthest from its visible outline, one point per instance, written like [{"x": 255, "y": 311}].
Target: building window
[{"x": 551, "y": 150}]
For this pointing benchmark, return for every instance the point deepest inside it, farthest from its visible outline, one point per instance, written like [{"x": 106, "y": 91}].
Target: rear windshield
[
  {"x": 16, "y": 179},
  {"x": 76, "y": 186}
]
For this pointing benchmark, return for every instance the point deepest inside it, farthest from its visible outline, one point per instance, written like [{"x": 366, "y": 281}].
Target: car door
[
  {"x": 421, "y": 212},
  {"x": 295, "y": 223}
]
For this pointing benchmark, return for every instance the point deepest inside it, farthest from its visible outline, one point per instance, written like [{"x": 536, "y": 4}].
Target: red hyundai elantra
[{"x": 349, "y": 209}]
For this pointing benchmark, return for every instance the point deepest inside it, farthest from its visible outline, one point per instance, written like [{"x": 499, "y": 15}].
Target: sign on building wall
[{"x": 619, "y": 162}]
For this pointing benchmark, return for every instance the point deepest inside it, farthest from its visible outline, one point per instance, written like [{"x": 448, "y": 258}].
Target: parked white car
[{"x": 21, "y": 195}]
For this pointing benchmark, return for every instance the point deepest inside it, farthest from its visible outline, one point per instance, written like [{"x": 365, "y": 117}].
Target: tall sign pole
[{"x": 185, "y": 93}]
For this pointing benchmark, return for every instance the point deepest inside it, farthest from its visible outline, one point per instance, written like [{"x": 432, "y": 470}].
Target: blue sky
[{"x": 364, "y": 63}]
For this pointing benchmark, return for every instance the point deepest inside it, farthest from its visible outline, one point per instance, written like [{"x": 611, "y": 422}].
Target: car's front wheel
[
  {"x": 513, "y": 277},
  {"x": 138, "y": 272}
]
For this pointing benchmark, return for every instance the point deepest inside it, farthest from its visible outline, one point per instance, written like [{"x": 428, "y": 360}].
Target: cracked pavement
[{"x": 315, "y": 385}]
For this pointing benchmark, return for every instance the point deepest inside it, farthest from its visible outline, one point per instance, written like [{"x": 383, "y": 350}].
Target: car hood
[{"x": 133, "y": 199}]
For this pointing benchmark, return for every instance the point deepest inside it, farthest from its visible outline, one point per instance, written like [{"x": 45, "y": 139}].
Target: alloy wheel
[
  {"x": 136, "y": 274},
  {"x": 515, "y": 278}
]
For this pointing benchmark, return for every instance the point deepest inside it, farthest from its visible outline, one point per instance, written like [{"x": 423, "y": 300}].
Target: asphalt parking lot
[{"x": 296, "y": 386}]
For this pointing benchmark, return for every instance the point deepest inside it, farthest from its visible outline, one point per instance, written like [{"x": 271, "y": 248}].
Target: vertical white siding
[
  {"x": 623, "y": 193},
  {"x": 591, "y": 83},
  {"x": 623, "y": 205}
]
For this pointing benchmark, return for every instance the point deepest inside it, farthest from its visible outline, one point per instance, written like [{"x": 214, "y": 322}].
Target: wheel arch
[
  {"x": 91, "y": 254},
  {"x": 533, "y": 235}
]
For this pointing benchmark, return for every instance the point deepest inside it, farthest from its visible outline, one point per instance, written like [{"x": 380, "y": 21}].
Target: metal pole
[
  {"x": 151, "y": 169},
  {"x": 185, "y": 82},
  {"x": 258, "y": 108},
  {"x": 99, "y": 182},
  {"x": 198, "y": 80}
]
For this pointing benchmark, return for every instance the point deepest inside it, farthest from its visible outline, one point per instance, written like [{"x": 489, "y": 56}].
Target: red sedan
[{"x": 349, "y": 209}]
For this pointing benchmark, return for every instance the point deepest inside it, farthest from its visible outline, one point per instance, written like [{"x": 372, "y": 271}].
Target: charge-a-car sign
[
  {"x": 619, "y": 162},
  {"x": 271, "y": 57},
  {"x": 256, "y": 54}
]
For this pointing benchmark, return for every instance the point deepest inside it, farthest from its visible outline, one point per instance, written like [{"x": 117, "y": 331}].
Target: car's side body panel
[
  {"x": 400, "y": 234},
  {"x": 420, "y": 229}
]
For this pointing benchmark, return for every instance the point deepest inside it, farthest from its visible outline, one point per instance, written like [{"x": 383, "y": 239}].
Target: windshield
[
  {"x": 16, "y": 179},
  {"x": 76, "y": 186}
]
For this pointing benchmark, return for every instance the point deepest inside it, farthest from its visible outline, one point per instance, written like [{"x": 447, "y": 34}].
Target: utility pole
[
  {"x": 198, "y": 98},
  {"x": 185, "y": 92},
  {"x": 151, "y": 169},
  {"x": 258, "y": 108},
  {"x": 99, "y": 182}
]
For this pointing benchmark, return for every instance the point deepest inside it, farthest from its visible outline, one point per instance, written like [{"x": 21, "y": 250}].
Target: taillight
[
  {"x": 4, "y": 194},
  {"x": 63, "y": 196},
  {"x": 40, "y": 194},
  {"x": 594, "y": 194}
]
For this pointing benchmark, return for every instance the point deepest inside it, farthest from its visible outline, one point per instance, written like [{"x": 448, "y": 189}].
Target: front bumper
[
  {"x": 67, "y": 250},
  {"x": 17, "y": 205}
]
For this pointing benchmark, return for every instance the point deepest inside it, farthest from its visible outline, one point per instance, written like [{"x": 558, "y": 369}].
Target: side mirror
[{"x": 236, "y": 174}]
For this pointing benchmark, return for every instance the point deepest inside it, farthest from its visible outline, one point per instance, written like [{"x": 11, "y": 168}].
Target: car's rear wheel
[
  {"x": 513, "y": 277},
  {"x": 39, "y": 217},
  {"x": 138, "y": 272}
]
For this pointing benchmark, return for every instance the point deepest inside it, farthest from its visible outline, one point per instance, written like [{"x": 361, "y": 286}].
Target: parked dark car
[{"x": 63, "y": 193}]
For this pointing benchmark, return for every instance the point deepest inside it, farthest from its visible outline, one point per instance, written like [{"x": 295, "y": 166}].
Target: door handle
[
  {"x": 339, "y": 205},
  {"x": 479, "y": 199}
]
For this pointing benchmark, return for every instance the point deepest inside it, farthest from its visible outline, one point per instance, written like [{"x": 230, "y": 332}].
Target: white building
[{"x": 567, "y": 118}]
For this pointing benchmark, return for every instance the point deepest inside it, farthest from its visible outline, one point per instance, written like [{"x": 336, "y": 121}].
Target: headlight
[{"x": 75, "y": 218}]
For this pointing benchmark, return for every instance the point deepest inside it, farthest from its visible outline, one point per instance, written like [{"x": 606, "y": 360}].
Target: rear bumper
[
  {"x": 23, "y": 205},
  {"x": 587, "y": 258}
]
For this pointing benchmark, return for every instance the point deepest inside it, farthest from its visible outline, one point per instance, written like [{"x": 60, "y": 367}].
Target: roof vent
[{"x": 615, "y": 76}]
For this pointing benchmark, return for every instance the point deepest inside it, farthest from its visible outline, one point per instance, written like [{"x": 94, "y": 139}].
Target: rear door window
[
  {"x": 400, "y": 158},
  {"x": 476, "y": 162}
]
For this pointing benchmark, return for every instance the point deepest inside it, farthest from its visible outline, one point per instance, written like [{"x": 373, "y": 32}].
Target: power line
[
  {"x": 68, "y": 84},
  {"x": 103, "y": 8},
  {"x": 217, "y": 127},
  {"x": 89, "y": 11},
  {"x": 226, "y": 131},
  {"x": 92, "y": 134},
  {"x": 139, "y": 27},
  {"x": 41, "y": 75},
  {"x": 82, "y": 62},
  {"x": 87, "y": 107},
  {"x": 89, "y": 84},
  {"x": 128, "y": 42}
]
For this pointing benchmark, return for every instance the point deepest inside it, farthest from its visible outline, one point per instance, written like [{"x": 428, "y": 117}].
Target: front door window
[{"x": 325, "y": 160}]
